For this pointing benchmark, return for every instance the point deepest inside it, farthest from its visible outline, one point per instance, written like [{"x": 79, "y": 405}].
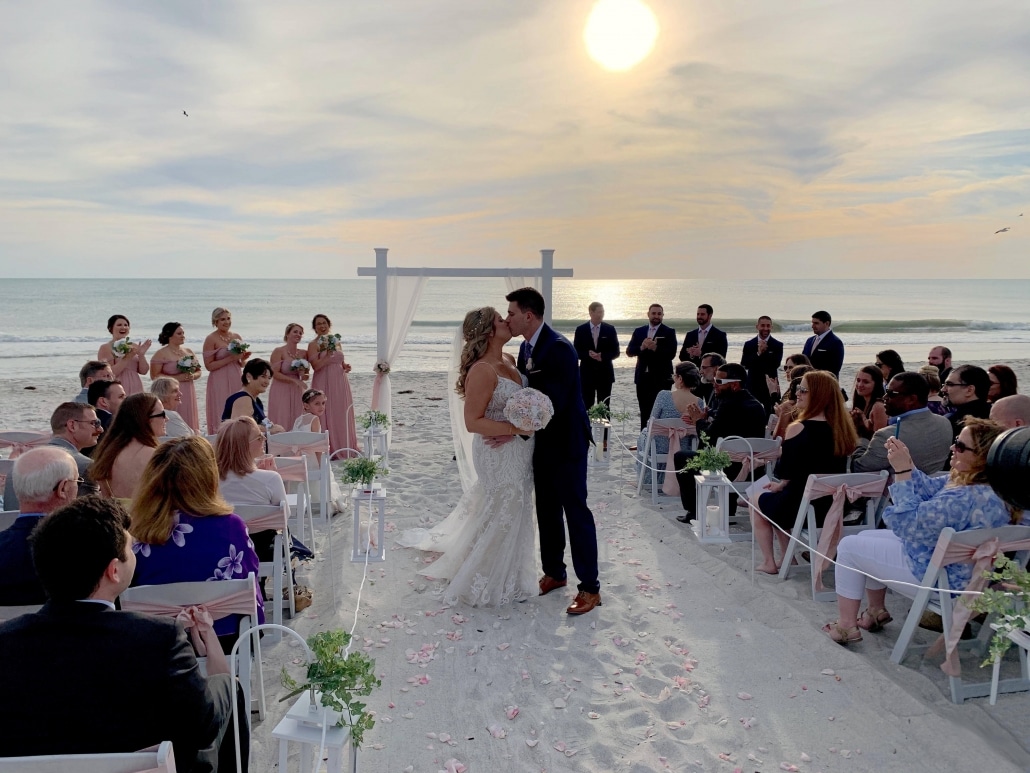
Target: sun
[{"x": 620, "y": 33}]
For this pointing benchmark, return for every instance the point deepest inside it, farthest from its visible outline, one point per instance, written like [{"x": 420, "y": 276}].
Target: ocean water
[{"x": 50, "y": 327}]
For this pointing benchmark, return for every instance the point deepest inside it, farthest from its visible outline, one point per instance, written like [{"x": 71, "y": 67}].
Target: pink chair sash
[
  {"x": 290, "y": 468},
  {"x": 18, "y": 447},
  {"x": 744, "y": 458},
  {"x": 262, "y": 522},
  {"x": 833, "y": 526},
  {"x": 199, "y": 618},
  {"x": 982, "y": 558},
  {"x": 671, "y": 486},
  {"x": 278, "y": 448},
  {"x": 265, "y": 462}
]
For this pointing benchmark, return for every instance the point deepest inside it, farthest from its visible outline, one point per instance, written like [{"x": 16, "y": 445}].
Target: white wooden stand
[
  {"x": 601, "y": 454},
  {"x": 712, "y": 522},
  {"x": 377, "y": 445},
  {"x": 1022, "y": 641},
  {"x": 303, "y": 726},
  {"x": 375, "y": 500}
]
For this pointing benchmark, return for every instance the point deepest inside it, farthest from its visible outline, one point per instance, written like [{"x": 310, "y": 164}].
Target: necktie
[
  {"x": 595, "y": 331},
  {"x": 701, "y": 333}
]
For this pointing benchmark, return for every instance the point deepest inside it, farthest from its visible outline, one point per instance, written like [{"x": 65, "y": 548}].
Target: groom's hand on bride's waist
[{"x": 496, "y": 441}]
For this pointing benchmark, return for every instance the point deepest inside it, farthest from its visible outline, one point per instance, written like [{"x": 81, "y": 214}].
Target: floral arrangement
[
  {"x": 329, "y": 342},
  {"x": 122, "y": 348},
  {"x": 336, "y": 679},
  {"x": 188, "y": 364},
  {"x": 381, "y": 367},
  {"x": 529, "y": 410},
  {"x": 1007, "y": 601},
  {"x": 300, "y": 364},
  {"x": 708, "y": 458},
  {"x": 363, "y": 470},
  {"x": 369, "y": 418},
  {"x": 601, "y": 412},
  {"x": 238, "y": 346}
]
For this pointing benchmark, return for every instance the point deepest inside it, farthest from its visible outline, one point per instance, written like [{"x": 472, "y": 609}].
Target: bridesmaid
[
  {"x": 331, "y": 378},
  {"x": 284, "y": 403},
  {"x": 165, "y": 362},
  {"x": 128, "y": 366},
  {"x": 226, "y": 369}
]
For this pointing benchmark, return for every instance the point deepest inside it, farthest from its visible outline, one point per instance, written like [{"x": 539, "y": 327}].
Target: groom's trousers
[{"x": 561, "y": 488}]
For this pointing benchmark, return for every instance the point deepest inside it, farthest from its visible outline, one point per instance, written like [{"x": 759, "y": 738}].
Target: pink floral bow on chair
[{"x": 833, "y": 526}]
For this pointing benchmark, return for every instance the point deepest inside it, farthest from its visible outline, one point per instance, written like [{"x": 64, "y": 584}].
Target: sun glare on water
[{"x": 620, "y": 33}]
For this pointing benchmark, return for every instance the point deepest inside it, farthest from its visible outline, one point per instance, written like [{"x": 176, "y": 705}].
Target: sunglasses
[
  {"x": 721, "y": 381},
  {"x": 162, "y": 415},
  {"x": 958, "y": 445},
  {"x": 801, "y": 390},
  {"x": 892, "y": 393}
]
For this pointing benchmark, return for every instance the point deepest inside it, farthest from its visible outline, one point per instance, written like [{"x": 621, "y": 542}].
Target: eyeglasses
[
  {"x": 958, "y": 445},
  {"x": 94, "y": 422},
  {"x": 892, "y": 393},
  {"x": 954, "y": 384},
  {"x": 722, "y": 381},
  {"x": 162, "y": 415},
  {"x": 801, "y": 390},
  {"x": 76, "y": 481},
  {"x": 258, "y": 439}
]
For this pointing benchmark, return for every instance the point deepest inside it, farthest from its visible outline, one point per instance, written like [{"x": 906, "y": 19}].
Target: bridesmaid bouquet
[
  {"x": 238, "y": 346},
  {"x": 122, "y": 348},
  {"x": 529, "y": 410},
  {"x": 330, "y": 342},
  {"x": 302, "y": 365},
  {"x": 188, "y": 364}
]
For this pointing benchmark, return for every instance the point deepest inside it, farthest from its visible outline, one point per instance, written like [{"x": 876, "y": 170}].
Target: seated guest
[
  {"x": 1003, "y": 382},
  {"x": 867, "y": 409},
  {"x": 257, "y": 375},
  {"x": 927, "y": 435},
  {"x": 44, "y": 479},
  {"x": 168, "y": 391},
  {"x": 1011, "y": 412},
  {"x": 739, "y": 414},
  {"x": 786, "y": 410},
  {"x": 965, "y": 390},
  {"x": 75, "y": 427},
  {"x": 125, "y": 449},
  {"x": 922, "y": 507},
  {"x": 890, "y": 364},
  {"x": 184, "y": 530},
  {"x": 710, "y": 363},
  {"x": 82, "y": 678},
  {"x": 671, "y": 404},
  {"x": 106, "y": 397},
  {"x": 819, "y": 442},
  {"x": 313, "y": 401},
  {"x": 94, "y": 370},
  {"x": 934, "y": 402}
]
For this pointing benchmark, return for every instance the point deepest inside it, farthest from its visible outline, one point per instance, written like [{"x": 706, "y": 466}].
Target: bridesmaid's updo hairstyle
[
  {"x": 476, "y": 331},
  {"x": 289, "y": 327},
  {"x": 254, "y": 369},
  {"x": 114, "y": 318},
  {"x": 167, "y": 332},
  {"x": 217, "y": 313},
  {"x": 314, "y": 320}
]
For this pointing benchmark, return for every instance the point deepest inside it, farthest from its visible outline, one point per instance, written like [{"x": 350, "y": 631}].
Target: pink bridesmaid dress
[
  {"x": 339, "y": 407},
  {"x": 131, "y": 382},
  {"x": 188, "y": 406},
  {"x": 221, "y": 384},
  {"x": 284, "y": 403}
]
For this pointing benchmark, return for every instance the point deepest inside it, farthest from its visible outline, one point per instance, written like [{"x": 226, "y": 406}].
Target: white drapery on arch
[
  {"x": 517, "y": 282},
  {"x": 403, "y": 294}
]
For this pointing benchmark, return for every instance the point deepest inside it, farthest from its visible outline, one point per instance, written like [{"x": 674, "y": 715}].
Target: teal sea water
[{"x": 49, "y": 327}]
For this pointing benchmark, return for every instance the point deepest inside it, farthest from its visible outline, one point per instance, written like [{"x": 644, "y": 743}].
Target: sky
[{"x": 760, "y": 137}]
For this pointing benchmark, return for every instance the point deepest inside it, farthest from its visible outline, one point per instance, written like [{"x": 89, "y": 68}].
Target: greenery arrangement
[
  {"x": 362, "y": 470},
  {"x": 1007, "y": 601},
  {"x": 368, "y": 418},
  {"x": 338, "y": 680},
  {"x": 601, "y": 412},
  {"x": 708, "y": 458}
]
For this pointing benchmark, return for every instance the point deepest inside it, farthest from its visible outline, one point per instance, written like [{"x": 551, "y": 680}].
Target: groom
[{"x": 560, "y": 455}]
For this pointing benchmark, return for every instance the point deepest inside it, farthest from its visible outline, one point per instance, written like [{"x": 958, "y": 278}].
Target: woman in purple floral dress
[{"x": 184, "y": 531}]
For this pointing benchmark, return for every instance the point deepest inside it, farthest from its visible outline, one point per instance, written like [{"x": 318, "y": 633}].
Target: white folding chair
[
  {"x": 220, "y": 598},
  {"x": 957, "y": 547},
  {"x": 13, "y": 611},
  {"x": 652, "y": 461},
  {"x": 260, "y": 518},
  {"x": 20, "y": 441},
  {"x": 294, "y": 472},
  {"x": 160, "y": 761},
  {"x": 751, "y": 453},
  {"x": 7, "y": 518},
  {"x": 844, "y": 487},
  {"x": 314, "y": 445}
]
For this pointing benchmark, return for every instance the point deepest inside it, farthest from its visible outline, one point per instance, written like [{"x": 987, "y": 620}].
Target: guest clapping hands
[
  {"x": 224, "y": 355},
  {"x": 127, "y": 359}
]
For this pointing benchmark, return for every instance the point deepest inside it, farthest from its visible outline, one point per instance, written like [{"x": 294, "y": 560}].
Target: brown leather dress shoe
[
  {"x": 548, "y": 584},
  {"x": 584, "y": 603}
]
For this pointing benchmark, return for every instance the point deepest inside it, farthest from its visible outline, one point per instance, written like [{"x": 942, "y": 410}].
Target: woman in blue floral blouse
[
  {"x": 184, "y": 530},
  {"x": 922, "y": 507}
]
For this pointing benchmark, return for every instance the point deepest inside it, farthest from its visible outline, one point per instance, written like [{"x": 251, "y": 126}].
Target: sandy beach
[{"x": 690, "y": 664}]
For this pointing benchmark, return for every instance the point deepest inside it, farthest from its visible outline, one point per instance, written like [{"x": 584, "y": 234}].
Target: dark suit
[
  {"x": 715, "y": 343},
  {"x": 560, "y": 462},
  {"x": 81, "y": 461},
  {"x": 829, "y": 355},
  {"x": 18, "y": 582},
  {"x": 596, "y": 378},
  {"x": 654, "y": 368},
  {"x": 81, "y": 678},
  {"x": 761, "y": 365}
]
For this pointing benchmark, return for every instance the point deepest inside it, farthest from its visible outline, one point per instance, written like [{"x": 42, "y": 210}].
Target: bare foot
[{"x": 768, "y": 569}]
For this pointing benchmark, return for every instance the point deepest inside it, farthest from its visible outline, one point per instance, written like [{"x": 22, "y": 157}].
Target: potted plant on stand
[
  {"x": 367, "y": 546},
  {"x": 601, "y": 418},
  {"x": 712, "y": 523},
  {"x": 375, "y": 424},
  {"x": 708, "y": 460},
  {"x": 362, "y": 470}
]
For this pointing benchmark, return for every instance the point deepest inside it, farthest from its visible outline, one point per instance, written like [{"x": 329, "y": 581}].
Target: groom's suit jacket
[{"x": 555, "y": 372}]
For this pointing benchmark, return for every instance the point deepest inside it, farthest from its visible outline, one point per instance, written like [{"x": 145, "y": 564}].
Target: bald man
[
  {"x": 1012, "y": 411},
  {"x": 45, "y": 479}
]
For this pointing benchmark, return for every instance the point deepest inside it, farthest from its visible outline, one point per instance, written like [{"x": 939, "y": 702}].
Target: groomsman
[
  {"x": 762, "y": 356},
  {"x": 597, "y": 344},
  {"x": 654, "y": 344},
  {"x": 707, "y": 339},
  {"x": 824, "y": 349}
]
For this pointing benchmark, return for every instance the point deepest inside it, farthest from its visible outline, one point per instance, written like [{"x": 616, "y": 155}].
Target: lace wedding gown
[{"x": 488, "y": 544}]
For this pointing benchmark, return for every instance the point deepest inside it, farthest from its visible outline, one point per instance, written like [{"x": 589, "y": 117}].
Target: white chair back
[
  {"x": 261, "y": 518},
  {"x": 651, "y": 459},
  {"x": 20, "y": 441},
  {"x": 7, "y": 518},
  {"x": 160, "y": 761},
  {"x": 315, "y": 446}
]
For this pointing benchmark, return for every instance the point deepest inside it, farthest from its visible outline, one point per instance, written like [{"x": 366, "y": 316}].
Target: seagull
[
  {"x": 1001, "y": 230},
  {"x": 185, "y": 114}
]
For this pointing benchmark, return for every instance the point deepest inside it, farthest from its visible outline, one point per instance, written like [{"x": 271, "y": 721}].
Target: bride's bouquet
[
  {"x": 122, "y": 348},
  {"x": 188, "y": 364},
  {"x": 238, "y": 346},
  {"x": 329, "y": 342},
  {"x": 529, "y": 410}
]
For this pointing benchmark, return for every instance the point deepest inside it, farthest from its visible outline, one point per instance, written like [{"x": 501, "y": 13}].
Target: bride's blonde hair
[{"x": 476, "y": 331}]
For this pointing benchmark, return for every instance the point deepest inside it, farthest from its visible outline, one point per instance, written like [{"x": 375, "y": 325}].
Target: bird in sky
[
  {"x": 1001, "y": 230},
  {"x": 185, "y": 114}
]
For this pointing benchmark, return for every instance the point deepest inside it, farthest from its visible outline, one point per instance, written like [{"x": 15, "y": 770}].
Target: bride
[{"x": 487, "y": 544}]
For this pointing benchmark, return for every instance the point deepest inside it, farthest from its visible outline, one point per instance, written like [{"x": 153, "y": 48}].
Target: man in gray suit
[{"x": 927, "y": 435}]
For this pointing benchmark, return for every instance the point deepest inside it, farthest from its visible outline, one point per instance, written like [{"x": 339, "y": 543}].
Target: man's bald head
[
  {"x": 1012, "y": 411},
  {"x": 44, "y": 479}
]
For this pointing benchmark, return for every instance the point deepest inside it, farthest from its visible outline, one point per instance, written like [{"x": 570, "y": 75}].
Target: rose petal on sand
[
  {"x": 559, "y": 703},
  {"x": 511, "y": 712},
  {"x": 525, "y": 674},
  {"x": 827, "y": 672},
  {"x": 594, "y": 715},
  {"x": 704, "y": 701},
  {"x": 805, "y": 757},
  {"x": 453, "y": 766},
  {"x": 744, "y": 696},
  {"x": 789, "y": 767},
  {"x": 748, "y": 722},
  {"x": 532, "y": 742},
  {"x": 503, "y": 646},
  {"x": 497, "y": 731}
]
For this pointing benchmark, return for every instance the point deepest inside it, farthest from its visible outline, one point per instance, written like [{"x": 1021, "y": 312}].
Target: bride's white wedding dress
[{"x": 488, "y": 544}]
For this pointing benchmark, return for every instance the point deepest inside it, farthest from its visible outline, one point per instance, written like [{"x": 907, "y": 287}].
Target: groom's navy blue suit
[{"x": 560, "y": 461}]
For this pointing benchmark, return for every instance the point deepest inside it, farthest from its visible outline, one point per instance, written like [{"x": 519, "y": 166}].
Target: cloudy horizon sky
[{"x": 789, "y": 138}]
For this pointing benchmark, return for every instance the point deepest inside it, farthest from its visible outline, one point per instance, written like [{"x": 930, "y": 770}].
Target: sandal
[
  {"x": 843, "y": 636},
  {"x": 302, "y": 597},
  {"x": 874, "y": 620}
]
